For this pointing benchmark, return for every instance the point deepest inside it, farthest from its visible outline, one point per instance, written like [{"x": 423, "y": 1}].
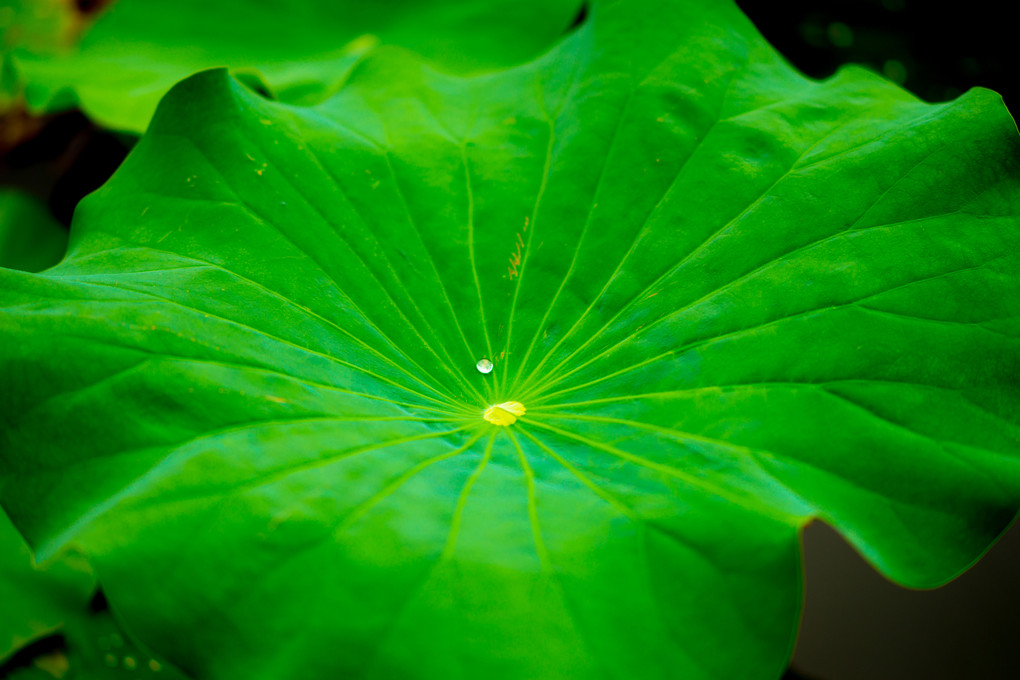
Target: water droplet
[
  {"x": 110, "y": 660},
  {"x": 129, "y": 662},
  {"x": 484, "y": 366},
  {"x": 155, "y": 666}
]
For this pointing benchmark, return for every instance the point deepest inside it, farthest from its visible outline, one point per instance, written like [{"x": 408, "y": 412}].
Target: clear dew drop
[{"x": 484, "y": 366}]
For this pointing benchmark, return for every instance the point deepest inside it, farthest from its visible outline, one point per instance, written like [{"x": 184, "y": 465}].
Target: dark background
[
  {"x": 937, "y": 51},
  {"x": 857, "y": 625}
]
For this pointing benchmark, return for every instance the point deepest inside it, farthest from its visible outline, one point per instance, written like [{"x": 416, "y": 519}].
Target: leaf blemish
[{"x": 515, "y": 257}]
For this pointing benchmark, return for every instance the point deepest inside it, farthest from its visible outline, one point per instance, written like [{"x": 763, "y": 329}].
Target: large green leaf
[
  {"x": 730, "y": 300},
  {"x": 302, "y": 48}
]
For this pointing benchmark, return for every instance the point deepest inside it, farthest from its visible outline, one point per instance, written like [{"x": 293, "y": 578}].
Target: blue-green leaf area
[
  {"x": 729, "y": 299},
  {"x": 300, "y": 50}
]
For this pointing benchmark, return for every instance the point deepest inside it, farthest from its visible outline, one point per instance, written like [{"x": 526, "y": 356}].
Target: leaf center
[{"x": 504, "y": 414}]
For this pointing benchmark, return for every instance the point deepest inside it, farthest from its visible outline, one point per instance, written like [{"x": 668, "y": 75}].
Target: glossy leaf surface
[
  {"x": 302, "y": 50},
  {"x": 727, "y": 299}
]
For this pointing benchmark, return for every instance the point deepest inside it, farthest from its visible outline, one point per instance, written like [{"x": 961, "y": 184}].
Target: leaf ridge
[
  {"x": 449, "y": 362},
  {"x": 471, "y": 253},
  {"x": 547, "y": 166},
  {"x": 676, "y": 267},
  {"x": 309, "y": 253},
  {"x": 625, "y": 109},
  {"x": 276, "y": 338},
  {"x": 631, "y": 248},
  {"x": 677, "y": 473},
  {"x": 371, "y": 272}
]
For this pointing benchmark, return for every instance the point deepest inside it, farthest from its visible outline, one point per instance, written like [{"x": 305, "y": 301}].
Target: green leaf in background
[
  {"x": 30, "y": 238},
  {"x": 10, "y": 84},
  {"x": 37, "y": 25},
  {"x": 302, "y": 48},
  {"x": 709, "y": 300},
  {"x": 37, "y": 601},
  {"x": 40, "y": 26}
]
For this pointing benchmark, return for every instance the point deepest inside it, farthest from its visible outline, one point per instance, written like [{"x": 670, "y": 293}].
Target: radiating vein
[
  {"x": 605, "y": 495},
  {"x": 365, "y": 265},
  {"x": 458, "y": 511},
  {"x": 474, "y": 265},
  {"x": 276, "y": 338},
  {"x": 736, "y": 333},
  {"x": 432, "y": 262},
  {"x": 264, "y": 367},
  {"x": 701, "y": 483},
  {"x": 131, "y": 489},
  {"x": 336, "y": 285},
  {"x": 347, "y": 521},
  {"x": 304, "y": 310},
  {"x": 630, "y": 250},
  {"x": 536, "y": 528},
  {"x": 674, "y": 267},
  {"x": 625, "y": 109},
  {"x": 448, "y": 364},
  {"x": 552, "y": 119}
]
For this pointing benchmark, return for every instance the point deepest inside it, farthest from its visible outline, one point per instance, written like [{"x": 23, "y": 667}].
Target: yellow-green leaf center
[{"x": 504, "y": 414}]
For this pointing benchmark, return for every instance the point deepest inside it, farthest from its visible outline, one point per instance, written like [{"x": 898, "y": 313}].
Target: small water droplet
[
  {"x": 129, "y": 662},
  {"x": 484, "y": 366},
  {"x": 155, "y": 666},
  {"x": 110, "y": 660}
]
